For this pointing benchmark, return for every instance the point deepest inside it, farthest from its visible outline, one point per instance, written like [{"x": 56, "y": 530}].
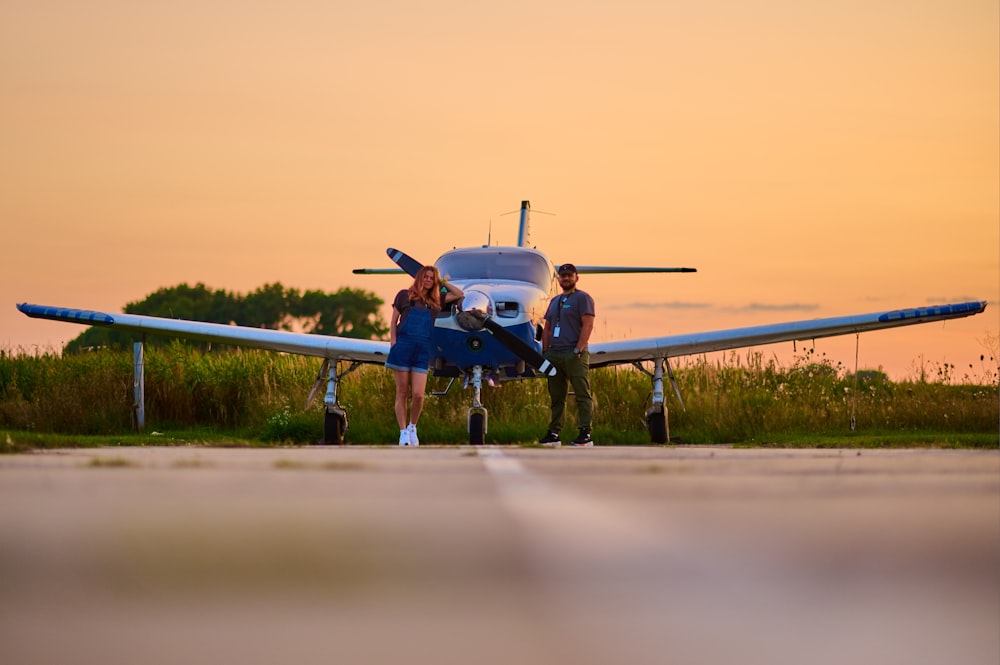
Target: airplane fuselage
[{"x": 512, "y": 285}]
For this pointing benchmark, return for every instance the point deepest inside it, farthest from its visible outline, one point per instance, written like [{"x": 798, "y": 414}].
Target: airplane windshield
[{"x": 497, "y": 264}]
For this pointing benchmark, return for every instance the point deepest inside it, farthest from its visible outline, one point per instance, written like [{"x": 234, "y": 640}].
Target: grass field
[{"x": 257, "y": 398}]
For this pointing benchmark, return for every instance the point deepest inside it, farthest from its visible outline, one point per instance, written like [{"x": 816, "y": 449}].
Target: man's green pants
[{"x": 574, "y": 371}]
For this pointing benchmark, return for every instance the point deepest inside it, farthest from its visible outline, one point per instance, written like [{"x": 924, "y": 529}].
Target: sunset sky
[{"x": 809, "y": 159}]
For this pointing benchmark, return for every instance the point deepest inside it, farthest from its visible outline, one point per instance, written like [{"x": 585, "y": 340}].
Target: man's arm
[{"x": 586, "y": 327}]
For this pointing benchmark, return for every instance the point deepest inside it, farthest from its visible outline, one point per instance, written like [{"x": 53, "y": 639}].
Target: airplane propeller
[{"x": 476, "y": 318}]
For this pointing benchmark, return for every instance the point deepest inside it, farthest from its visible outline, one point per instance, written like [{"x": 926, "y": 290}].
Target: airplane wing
[
  {"x": 670, "y": 346},
  {"x": 322, "y": 346}
]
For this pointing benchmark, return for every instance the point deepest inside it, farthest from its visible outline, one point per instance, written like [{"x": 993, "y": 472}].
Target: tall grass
[{"x": 262, "y": 395}]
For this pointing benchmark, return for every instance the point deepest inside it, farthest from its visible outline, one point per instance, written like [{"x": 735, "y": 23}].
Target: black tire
[
  {"x": 477, "y": 429},
  {"x": 656, "y": 422},
  {"x": 334, "y": 425}
]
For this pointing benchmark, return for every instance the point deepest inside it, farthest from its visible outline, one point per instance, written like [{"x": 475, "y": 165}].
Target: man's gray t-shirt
[{"x": 566, "y": 312}]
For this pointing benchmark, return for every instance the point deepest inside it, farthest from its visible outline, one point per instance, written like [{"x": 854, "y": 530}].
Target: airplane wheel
[
  {"x": 477, "y": 429},
  {"x": 334, "y": 425},
  {"x": 656, "y": 422}
]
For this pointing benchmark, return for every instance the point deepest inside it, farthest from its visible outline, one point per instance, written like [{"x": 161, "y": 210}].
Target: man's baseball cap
[{"x": 566, "y": 267}]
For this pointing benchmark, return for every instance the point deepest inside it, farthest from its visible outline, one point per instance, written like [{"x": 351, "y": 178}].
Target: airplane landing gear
[
  {"x": 656, "y": 415},
  {"x": 477, "y": 412},
  {"x": 335, "y": 418},
  {"x": 656, "y": 423},
  {"x": 334, "y": 426}
]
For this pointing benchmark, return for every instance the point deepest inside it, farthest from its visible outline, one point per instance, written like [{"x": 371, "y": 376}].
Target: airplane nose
[{"x": 476, "y": 308}]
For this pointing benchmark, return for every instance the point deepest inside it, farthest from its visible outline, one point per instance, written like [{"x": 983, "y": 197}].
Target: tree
[{"x": 347, "y": 313}]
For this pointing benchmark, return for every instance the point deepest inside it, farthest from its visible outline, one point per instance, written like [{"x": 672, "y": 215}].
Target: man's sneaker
[
  {"x": 404, "y": 437},
  {"x": 550, "y": 439},
  {"x": 411, "y": 429},
  {"x": 583, "y": 438}
]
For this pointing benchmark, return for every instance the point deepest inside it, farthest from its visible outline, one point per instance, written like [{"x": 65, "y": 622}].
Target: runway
[{"x": 500, "y": 555}]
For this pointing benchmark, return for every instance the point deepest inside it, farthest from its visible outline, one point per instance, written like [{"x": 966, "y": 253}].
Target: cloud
[
  {"x": 935, "y": 300},
  {"x": 752, "y": 307},
  {"x": 780, "y": 307},
  {"x": 660, "y": 305}
]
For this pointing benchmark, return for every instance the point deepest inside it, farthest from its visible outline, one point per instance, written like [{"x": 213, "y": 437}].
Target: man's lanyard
[{"x": 562, "y": 301}]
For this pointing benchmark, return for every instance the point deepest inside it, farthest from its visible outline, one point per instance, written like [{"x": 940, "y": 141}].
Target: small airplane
[{"x": 493, "y": 334}]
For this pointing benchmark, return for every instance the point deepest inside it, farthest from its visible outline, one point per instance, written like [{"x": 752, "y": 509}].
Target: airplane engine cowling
[{"x": 476, "y": 308}]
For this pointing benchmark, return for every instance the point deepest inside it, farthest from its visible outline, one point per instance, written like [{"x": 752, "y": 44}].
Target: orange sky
[{"x": 810, "y": 159}]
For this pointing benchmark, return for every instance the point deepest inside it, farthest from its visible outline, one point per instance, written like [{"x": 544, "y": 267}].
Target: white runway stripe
[{"x": 564, "y": 521}]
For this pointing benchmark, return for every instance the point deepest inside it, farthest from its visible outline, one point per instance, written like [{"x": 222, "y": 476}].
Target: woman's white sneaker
[
  {"x": 404, "y": 437},
  {"x": 411, "y": 429}
]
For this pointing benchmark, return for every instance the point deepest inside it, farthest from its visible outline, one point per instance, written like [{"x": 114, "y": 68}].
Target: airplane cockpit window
[{"x": 495, "y": 264}]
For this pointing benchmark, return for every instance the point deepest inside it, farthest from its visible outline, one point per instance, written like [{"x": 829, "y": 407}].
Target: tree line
[{"x": 346, "y": 313}]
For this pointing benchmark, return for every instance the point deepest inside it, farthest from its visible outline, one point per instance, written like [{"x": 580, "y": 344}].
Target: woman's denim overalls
[{"x": 412, "y": 350}]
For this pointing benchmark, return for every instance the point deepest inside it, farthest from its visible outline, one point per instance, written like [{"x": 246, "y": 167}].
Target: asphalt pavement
[{"x": 497, "y": 554}]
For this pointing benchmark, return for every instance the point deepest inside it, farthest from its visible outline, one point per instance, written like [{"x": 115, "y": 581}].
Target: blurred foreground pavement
[{"x": 451, "y": 555}]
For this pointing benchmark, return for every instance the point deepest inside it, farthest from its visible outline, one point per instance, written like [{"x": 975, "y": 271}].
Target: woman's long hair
[{"x": 431, "y": 299}]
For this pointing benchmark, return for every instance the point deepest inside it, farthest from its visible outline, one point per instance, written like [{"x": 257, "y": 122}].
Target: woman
[{"x": 411, "y": 350}]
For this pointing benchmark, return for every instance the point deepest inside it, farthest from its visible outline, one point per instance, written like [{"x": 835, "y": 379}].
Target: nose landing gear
[{"x": 477, "y": 412}]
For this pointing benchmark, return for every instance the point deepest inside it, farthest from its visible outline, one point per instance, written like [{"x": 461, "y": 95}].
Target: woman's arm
[
  {"x": 453, "y": 292},
  {"x": 393, "y": 324}
]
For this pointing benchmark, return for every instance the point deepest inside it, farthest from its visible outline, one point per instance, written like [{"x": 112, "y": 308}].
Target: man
[{"x": 569, "y": 321}]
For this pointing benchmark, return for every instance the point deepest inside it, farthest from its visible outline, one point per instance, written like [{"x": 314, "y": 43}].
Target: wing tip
[
  {"x": 66, "y": 314},
  {"x": 937, "y": 311}
]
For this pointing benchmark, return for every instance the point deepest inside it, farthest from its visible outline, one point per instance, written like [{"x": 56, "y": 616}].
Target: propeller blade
[
  {"x": 518, "y": 346},
  {"x": 409, "y": 264},
  {"x": 513, "y": 343}
]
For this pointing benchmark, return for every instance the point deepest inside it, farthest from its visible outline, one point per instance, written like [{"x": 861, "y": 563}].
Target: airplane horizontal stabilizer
[
  {"x": 597, "y": 270},
  {"x": 378, "y": 271}
]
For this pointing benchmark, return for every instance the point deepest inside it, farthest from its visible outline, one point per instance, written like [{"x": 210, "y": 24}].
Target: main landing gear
[
  {"x": 335, "y": 418},
  {"x": 656, "y": 414}
]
